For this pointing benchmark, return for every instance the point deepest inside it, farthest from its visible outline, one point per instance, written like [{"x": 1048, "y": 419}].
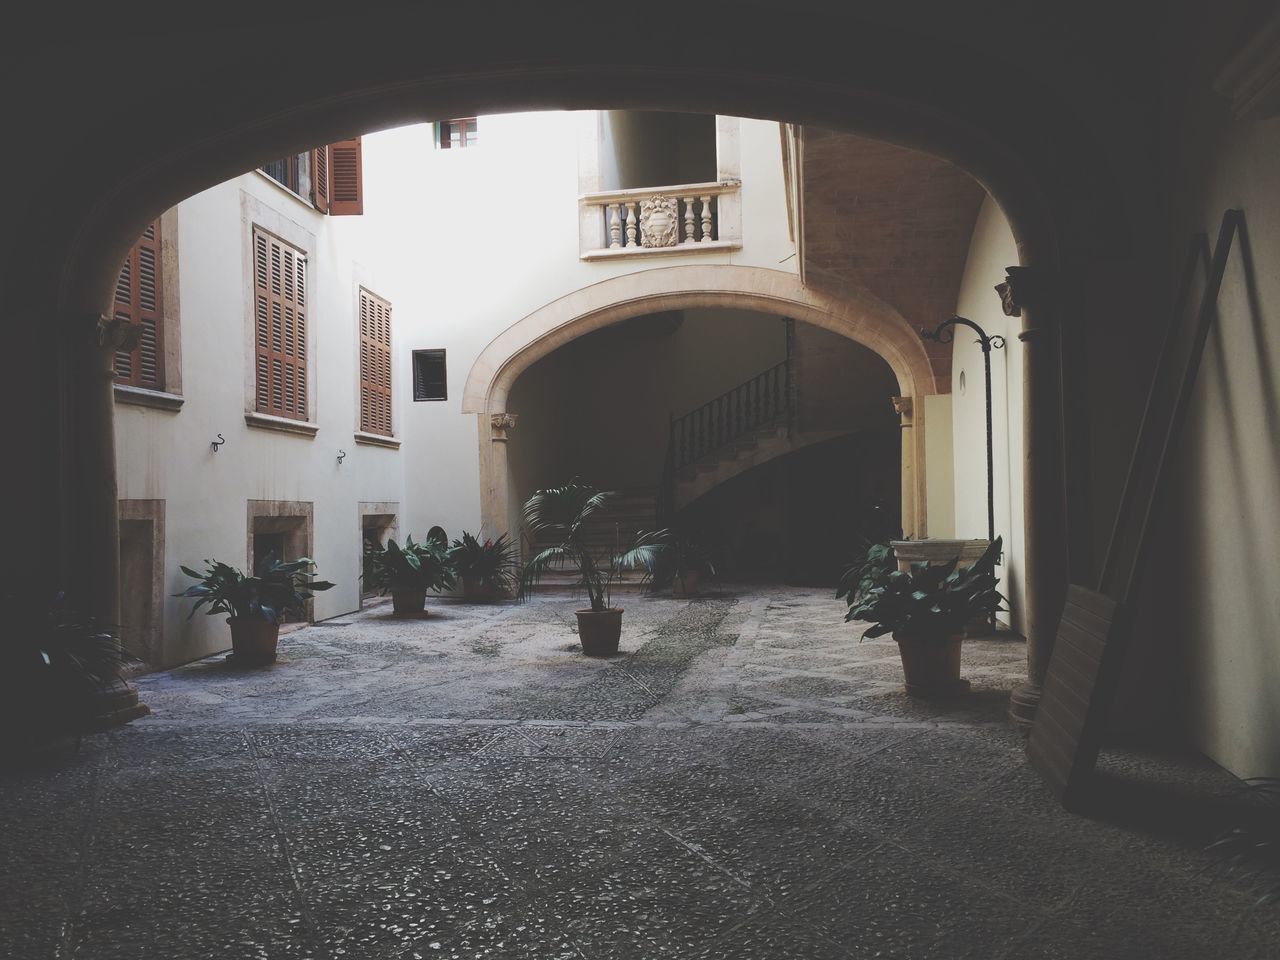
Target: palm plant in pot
[
  {"x": 562, "y": 514},
  {"x": 678, "y": 562},
  {"x": 408, "y": 572},
  {"x": 927, "y": 610},
  {"x": 487, "y": 569},
  {"x": 255, "y": 604}
]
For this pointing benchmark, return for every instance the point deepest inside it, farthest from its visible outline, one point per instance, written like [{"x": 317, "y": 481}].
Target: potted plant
[
  {"x": 927, "y": 610},
  {"x": 487, "y": 569},
  {"x": 61, "y": 675},
  {"x": 256, "y": 603},
  {"x": 408, "y": 572},
  {"x": 562, "y": 514},
  {"x": 679, "y": 562},
  {"x": 865, "y": 573}
]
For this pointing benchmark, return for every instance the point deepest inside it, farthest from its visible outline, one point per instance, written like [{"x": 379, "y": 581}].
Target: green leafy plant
[
  {"x": 278, "y": 588},
  {"x": 1250, "y": 849},
  {"x": 562, "y": 514},
  {"x": 673, "y": 557},
  {"x": 413, "y": 567},
  {"x": 866, "y": 573},
  {"x": 933, "y": 601},
  {"x": 56, "y": 659},
  {"x": 492, "y": 563}
]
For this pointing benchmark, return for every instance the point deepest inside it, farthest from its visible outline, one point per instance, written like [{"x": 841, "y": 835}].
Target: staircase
[
  {"x": 746, "y": 426},
  {"x": 612, "y": 528}
]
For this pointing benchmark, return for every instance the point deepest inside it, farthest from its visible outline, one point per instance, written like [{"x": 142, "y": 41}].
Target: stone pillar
[
  {"x": 496, "y": 494},
  {"x": 1026, "y": 294},
  {"x": 904, "y": 408}
]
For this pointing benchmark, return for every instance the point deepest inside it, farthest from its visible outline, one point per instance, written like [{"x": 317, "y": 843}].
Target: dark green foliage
[
  {"x": 277, "y": 589},
  {"x": 670, "y": 555},
  {"x": 863, "y": 575},
  {"x": 933, "y": 601},
  {"x": 415, "y": 566},
  {"x": 1250, "y": 849},
  {"x": 561, "y": 514},
  {"x": 55, "y": 660},
  {"x": 492, "y": 563}
]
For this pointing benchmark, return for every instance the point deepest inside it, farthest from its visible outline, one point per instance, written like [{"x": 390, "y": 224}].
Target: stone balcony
[{"x": 677, "y": 220}]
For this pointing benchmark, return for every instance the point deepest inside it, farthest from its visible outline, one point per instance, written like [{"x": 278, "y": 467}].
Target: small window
[
  {"x": 429, "y": 381},
  {"x": 456, "y": 134}
]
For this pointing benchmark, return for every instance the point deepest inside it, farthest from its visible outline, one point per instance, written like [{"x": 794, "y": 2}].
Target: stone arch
[{"x": 856, "y": 315}]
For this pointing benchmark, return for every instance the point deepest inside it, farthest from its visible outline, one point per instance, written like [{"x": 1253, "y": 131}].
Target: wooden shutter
[
  {"x": 140, "y": 299},
  {"x": 280, "y": 326},
  {"x": 320, "y": 178},
  {"x": 346, "y": 179},
  {"x": 375, "y": 364}
]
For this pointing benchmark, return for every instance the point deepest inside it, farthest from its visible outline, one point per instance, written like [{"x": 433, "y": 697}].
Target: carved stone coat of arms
[{"x": 659, "y": 222}]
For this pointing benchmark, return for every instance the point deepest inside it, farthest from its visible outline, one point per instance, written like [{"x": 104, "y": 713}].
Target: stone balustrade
[{"x": 661, "y": 221}]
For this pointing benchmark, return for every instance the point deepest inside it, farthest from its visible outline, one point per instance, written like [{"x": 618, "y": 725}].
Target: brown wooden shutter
[
  {"x": 375, "y": 364},
  {"x": 320, "y": 178},
  {"x": 346, "y": 179},
  {"x": 139, "y": 298},
  {"x": 280, "y": 326}
]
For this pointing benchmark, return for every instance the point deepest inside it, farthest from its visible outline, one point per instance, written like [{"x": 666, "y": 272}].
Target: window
[
  {"x": 139, "y": 299},
  {"x": 331, "y": 177},
  {"x": 429, "y": 381},
  {"x": 375, "y": 364},
  {"x": 456, "y": 134},
  {"x": 280, "y": 327}
]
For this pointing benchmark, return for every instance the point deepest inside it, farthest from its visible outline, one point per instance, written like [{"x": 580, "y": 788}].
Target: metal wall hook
[
  {"x": 342, "y": 455},
  {"x": 217, "y": 443}
]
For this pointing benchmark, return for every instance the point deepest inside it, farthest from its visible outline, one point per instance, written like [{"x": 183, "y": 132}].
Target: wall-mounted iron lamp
[
  {"x": 217, "y": 443},
  {"x": 342, "y": 455}
]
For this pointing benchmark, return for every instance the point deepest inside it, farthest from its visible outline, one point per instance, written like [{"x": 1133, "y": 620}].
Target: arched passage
[{"x": 857, "y": 316}]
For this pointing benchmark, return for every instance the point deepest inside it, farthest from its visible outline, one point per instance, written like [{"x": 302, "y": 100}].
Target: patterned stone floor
[{"x": 746, "y": 781}]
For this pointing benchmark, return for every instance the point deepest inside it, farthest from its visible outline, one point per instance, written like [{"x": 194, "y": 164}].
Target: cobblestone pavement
[{"x": 746, "y": 780}]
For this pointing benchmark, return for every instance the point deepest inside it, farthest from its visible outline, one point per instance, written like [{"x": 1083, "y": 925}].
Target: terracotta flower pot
[
  {"x": 599, "y": 631},
  {"x": 931, "y": 665},
  {"x": 688, "y": 587},
  {"x": 253, "y": 642},
  {"x": 407, "y": 602}
]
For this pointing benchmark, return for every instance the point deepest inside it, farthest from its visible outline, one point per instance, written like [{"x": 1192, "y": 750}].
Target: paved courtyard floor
[{"x": 746, "y": 780}]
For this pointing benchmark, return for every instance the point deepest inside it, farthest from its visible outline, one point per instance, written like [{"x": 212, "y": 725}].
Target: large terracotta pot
[
  {"x": 688, "y": 587},
  {"x": 408, "y": 602},
  {"x": 253, "y": 642},
  {"x": 599, "y": 631},
  {"x": 931, "y": 665}
]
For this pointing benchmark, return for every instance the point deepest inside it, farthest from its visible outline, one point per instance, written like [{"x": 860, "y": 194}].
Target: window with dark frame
[
  {"x": 375, "y": 364},
  {"x": 139, "y": 299},
  {"x": 429, "y": 379},
  {"x": 457, "y": 134}
]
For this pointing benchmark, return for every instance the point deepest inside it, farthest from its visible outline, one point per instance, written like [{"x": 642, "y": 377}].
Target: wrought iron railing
[{"x": 763, "y": 401}]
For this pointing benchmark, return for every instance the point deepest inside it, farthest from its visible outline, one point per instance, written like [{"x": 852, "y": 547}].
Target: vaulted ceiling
[{"x": 892, "y": 222}]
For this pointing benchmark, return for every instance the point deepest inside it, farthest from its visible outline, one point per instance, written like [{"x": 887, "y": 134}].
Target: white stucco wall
[
  {"x": 473, "y": 240},
  {"x": 990, "y": 251},
  {"x": 166, "y": 455}
]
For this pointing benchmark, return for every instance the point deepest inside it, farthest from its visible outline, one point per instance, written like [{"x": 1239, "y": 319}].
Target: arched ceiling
[{"x": 891, "y": 221}]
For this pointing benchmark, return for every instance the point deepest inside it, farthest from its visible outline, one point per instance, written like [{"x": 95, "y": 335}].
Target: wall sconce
[
  {"x": 342, "y": 455},
  {"x": 217, "y": 443}
]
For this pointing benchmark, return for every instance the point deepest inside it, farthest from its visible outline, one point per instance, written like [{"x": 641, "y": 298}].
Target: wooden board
[{"x": 1082, "y": 674}]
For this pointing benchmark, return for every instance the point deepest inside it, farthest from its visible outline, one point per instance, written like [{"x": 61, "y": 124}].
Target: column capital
[
  {"x": 117, "y": 333},
  {"x": 1024, "y": 287},
  {"x": 499, "y": 424},
  {"x": 904, "y": 408}
]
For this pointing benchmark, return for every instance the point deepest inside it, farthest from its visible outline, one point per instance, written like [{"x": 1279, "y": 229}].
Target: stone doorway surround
[
  {"x": 294, "y": 519},
  {"x": 853, "y": 314},
  {"x": 142, "y": 578},
  {"x": 382, "y": 517}
]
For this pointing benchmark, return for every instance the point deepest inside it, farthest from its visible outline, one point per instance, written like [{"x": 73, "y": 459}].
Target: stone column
[
  {"x": 495, "y": 506},
  {"x": 904, "y": 408},
  {"x": 1026, "y": 293}
]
